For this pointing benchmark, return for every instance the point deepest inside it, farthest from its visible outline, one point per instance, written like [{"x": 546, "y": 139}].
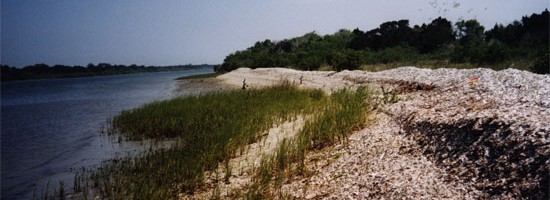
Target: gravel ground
[{"x": 489, "y": 128}]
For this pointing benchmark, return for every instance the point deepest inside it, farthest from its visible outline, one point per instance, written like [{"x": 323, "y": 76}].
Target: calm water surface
[{"x": 51, "y": 128}]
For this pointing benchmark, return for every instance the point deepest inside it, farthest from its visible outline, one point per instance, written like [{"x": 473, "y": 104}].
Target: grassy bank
[
  {"x": 209, "y": 129},
  {"x": 212, "y": 128},
  {"x": 340, "y": 114}
]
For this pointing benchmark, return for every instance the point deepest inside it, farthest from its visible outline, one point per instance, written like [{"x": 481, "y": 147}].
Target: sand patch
[{"x": 242, "y": 166}]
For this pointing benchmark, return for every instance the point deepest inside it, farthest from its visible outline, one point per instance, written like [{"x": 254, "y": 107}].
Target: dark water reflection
[{"x": 51, "y": 128}]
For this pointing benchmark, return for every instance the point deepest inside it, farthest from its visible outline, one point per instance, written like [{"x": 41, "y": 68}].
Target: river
[{"x": 51, "y": 128}]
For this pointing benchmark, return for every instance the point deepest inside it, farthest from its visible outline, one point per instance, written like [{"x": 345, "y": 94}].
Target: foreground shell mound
[{"x": 490, "y": 128}]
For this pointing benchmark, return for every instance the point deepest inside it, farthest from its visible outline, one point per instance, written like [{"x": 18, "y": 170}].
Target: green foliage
[
  {"x": 495, "y": 53},
  {"x": 213, "y": 127},
  {"x": 347, "y": 59},
  {"x": 49, "y": 194},
  {"x": 396, "y": 54},
  {"x": 309, "y": 61},
  {"x": 341, "y": 114},
  {"x": 542, "y": 64},
  {"x": 345, "y": 112},
  {"x": 61, "y": 191},
  {"x": 396, "y": 42},
  {"x": 470, "y": 32},
  {"x": 209, "y": 130},
  {"x": 433, "y": 36}
]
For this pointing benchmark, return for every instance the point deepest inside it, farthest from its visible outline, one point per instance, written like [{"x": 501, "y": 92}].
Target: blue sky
[{"x": 171, "y": 32}]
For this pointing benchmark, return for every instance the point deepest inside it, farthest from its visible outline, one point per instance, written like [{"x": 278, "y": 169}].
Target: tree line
[
  {"x": 37, "y": 71},
  {"x": 522, "y": 44}
]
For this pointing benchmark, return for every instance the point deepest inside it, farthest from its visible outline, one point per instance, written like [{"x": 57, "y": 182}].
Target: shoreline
[{"x": 434, "y": 103}]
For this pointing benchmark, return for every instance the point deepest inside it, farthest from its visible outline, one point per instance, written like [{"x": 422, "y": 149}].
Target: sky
[{"x": 173, "y": 32}]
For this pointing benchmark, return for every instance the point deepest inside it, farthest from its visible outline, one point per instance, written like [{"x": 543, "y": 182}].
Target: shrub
[{"x": 542, "y": 64}]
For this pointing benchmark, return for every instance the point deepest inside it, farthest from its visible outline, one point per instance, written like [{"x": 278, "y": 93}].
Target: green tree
[
  {"x": 537, "y": 29},
  {"x": 358, "y": 42},
  {"x": 309, "y": 61},
  {"x": 469, "y": 33},
  {"x": 542, "y": 64},
  {"x": 510, "y": 34},
  {"x": 495, "y": 52},
  {"x": 346, "y": 60},
  {"x": 434, "y": 35}
]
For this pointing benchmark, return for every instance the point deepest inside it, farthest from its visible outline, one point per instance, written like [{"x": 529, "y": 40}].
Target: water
[{"x": 51, "y": 128}]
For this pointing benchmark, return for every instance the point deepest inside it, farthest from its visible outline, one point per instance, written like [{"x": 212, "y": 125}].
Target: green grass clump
[
  {"x": 345, "y": 112},
  {"x": 209, "y": 129},
  {"x": 340, "y": 114}
]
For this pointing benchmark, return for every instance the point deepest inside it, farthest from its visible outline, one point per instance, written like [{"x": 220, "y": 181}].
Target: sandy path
[{"x": 263, "y": 77}]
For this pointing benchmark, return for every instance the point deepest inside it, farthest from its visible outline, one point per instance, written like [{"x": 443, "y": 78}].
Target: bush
[
  {"x": 495, "y": 53},
  {"x": 542, "y": 64},
  {"x": 397, "y": 54}
]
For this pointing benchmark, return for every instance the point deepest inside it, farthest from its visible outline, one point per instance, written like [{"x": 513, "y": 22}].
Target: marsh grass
[
  {"x": 341, "y": 114},
  {"x": 47, "y": 193},
  {"x": 209, "y": 129}
]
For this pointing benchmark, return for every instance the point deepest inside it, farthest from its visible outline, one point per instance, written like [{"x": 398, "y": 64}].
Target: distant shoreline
[{"x": 41, "y": 71}]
